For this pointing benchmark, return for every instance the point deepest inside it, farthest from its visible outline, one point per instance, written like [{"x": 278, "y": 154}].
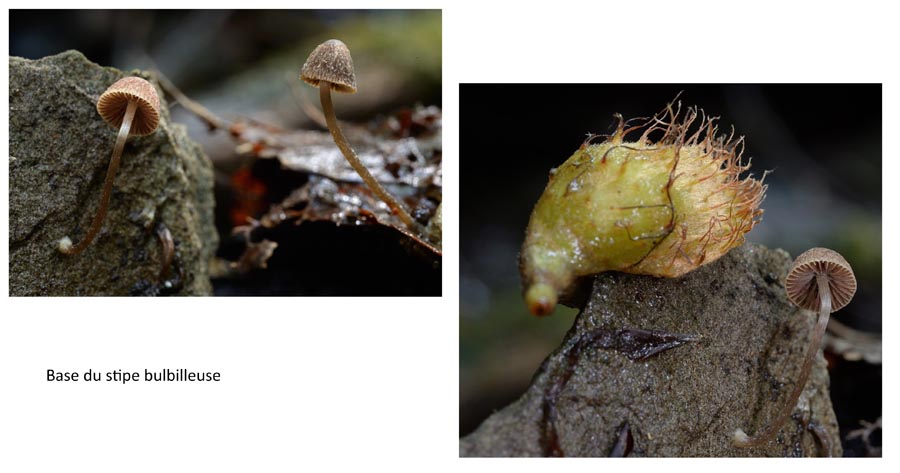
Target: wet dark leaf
[
  {"x": 634, "y": 343},
  {"x": 256, "y": 254},
  {"x": 315, "y": 183},
  {"x": 409, "y": 167},
  {"x": 639, "y": 344},
  {"x": 411, "y": 161}
]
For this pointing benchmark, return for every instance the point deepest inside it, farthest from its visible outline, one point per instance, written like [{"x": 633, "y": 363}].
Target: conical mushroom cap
[
  {"x": 112, "y": 103},
  {"x": 330, "y": 62},
  {"x": 801, "y": 285}
]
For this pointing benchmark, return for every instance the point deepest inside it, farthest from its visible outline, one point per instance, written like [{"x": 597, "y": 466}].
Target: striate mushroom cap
[
  {"x": 801, "y": 285},
  {"x": 330, "y": 62},
  {"x": 112, "y": 103}
]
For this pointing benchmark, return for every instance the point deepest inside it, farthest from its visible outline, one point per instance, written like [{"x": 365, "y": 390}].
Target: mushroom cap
[
  {"x": 330, "y": 62},
  {"x": 801, "y": 285},
  {"x": 112, "y": 103}
]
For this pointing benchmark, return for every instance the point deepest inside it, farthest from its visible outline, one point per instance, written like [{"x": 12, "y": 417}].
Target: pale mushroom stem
[
  {"x": 740, "y": 438},
  {"x": 341, "y": 141},
  {"x": 124, "y": 130}
]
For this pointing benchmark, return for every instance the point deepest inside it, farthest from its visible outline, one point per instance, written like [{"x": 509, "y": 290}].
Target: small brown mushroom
[
  {"x": 330, "y": 67},
  {"x": 131, "y": 104},
  {"x": 820, "y": 279}
]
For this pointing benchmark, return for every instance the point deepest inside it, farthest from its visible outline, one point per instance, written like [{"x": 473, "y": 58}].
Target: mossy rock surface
[
  {"x": 683, "y": 401},
  {"x": 59, "y": 152}
]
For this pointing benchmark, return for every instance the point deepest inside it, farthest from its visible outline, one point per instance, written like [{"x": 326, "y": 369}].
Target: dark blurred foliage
[
  {"x": 194, "y": 48},
  {"x": 244, "y": 65},
  {"x": 822, "y": 142},
  {"x": 190, "y": 46}
]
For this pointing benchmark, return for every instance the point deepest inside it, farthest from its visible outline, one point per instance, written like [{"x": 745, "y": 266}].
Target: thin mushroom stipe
[
  {"x": 132, "y": 105},
  {"x": 330, "y": 67},
  {"x": 820, "y": 279}
]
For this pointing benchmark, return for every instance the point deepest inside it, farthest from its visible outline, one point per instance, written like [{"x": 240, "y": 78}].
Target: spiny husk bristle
[
  {"x": 707, "y": 166},
  {"x": 659, "y": 206}
]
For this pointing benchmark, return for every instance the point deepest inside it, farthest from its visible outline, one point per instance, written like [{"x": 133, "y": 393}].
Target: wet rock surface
[
  {"x": 59, "y": 151},
  {"x": 671, "y": 367}
]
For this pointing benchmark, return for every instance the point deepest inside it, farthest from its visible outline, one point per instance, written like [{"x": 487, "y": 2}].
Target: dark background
[
  {"x": 822, "y": 142},
  {"x": 200, "y": 49},
  {"x": 244, "y": 65}
]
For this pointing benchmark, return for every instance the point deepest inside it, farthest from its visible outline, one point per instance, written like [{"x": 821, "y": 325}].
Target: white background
[{"x": 326, "y": 384}]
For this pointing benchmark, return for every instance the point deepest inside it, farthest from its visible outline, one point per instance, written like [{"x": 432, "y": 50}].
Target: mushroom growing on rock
[
  {"x": 819, "y": 280},
  {"x": 132, "y": 105},
  {"x": 330, "y": 67}
]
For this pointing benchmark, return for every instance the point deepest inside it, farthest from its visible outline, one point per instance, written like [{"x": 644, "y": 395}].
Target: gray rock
[
  {"x": 59, "y": 151},
  {"x": 687, "y": 399}
]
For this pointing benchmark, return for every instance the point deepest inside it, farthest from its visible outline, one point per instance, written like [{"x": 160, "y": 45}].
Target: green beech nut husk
[{"x": 660, "y": 208}]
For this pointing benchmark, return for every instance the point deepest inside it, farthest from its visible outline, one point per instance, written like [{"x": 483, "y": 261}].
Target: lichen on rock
[
  {"x": 735, "y": 345},
  {"x": 59, "y": 150}
]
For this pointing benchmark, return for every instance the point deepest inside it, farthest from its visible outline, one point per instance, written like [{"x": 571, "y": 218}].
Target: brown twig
[
  {"x": 853, "y": 345},
  {"x": 864, "y": 434},
  {"x": 306, "y": 105},
  {"x": 211, "y": 119}
]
